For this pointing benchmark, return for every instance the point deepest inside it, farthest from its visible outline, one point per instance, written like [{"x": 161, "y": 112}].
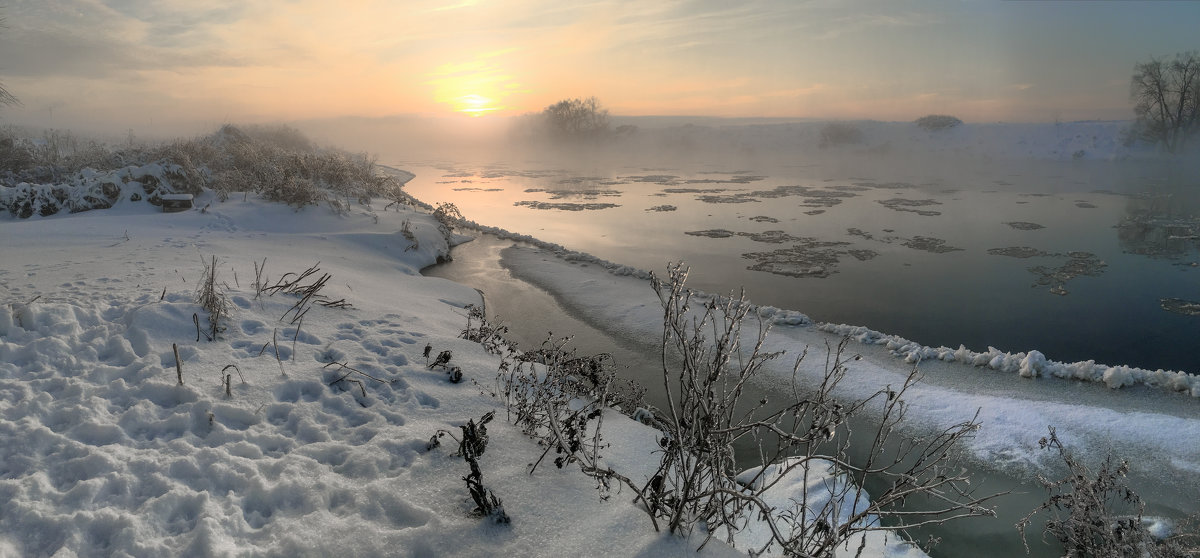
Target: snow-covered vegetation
[{"x": 61, "y": 172}]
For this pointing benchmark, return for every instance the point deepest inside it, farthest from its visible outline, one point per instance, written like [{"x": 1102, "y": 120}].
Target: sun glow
[
  {"x": 476, "y": 85},
  {"x": 475, "y": 105}
]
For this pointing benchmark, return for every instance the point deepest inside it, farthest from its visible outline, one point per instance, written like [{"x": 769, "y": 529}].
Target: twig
[
  {"x": 178, "y": 364},
  {"x": 275, "y": 342},
  {"x": 352, "y": 369},
  {"x": 235, "y": 367},
  {"x": 296, "y": 336}
]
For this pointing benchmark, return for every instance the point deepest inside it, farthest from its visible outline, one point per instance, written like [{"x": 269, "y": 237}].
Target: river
[{"x": 532, "y": 314}]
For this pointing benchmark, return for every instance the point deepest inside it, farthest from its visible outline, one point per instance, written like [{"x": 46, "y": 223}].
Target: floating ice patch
[
  {"x": 1079, "y": 263},
  {"x": 1018, "y": 252},
  {"x": 581, "y": 194},
  {"x": 565, "y": 206},
  {"x": 1024, "y": 225},
  {"x": 930, "y": 244},
  {"x": 1180, "y": 306},
  {"x": 911, "y": 206},
  {"x": 809, "y": 257}
]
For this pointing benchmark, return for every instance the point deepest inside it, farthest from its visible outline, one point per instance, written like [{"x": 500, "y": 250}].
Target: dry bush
[
  {"x": 473, "y": 444},
  {"x": 705, "y": 372},
  {"x": 212, "y": 299},
  {"x": 560, "y": 400},
  {"x": 1093, "y": 514}
]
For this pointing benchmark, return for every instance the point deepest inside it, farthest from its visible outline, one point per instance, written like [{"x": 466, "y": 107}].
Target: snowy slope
[{"x": 102, "y": 453}]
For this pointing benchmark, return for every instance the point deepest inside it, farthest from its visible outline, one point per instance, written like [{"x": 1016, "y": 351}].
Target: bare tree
[
  {"x": 1166, "y": 94},
  {"x": 576, "y": 119},
  {"x": 6, "y": 98}
]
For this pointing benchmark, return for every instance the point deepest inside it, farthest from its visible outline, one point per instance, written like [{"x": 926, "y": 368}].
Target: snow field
[{"x": 103, "y": 453}]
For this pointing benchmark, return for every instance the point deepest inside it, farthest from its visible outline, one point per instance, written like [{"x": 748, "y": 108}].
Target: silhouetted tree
[
  {"x": 576, "y": 119},
  {"x": 935, "y": 122},
  {"x": 6, "y": 98},
  {"x": 1167, "y": 99}
]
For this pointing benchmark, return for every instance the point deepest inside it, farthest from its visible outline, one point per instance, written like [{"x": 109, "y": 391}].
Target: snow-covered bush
[
  {"x": 936, "y": 122},
  {"x": 1093, "y": 513},
  {"x": 278, "y": 163}
]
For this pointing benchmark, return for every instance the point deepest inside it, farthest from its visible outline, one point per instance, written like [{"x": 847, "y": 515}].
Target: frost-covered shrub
[
  {"x": 936, "y": 122},
  {"x": 14, "y": 153},
  {"x": 1093, "y": 514},
  {"x": 278, "y": 163},
  {"x": 698, "y": 486},
  {"x": 281, "y": 136},
  {"x": 840, "y": 133}
]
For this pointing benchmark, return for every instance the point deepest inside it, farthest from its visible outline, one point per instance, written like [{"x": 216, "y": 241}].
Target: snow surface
[{"x": 104, "y": 453}]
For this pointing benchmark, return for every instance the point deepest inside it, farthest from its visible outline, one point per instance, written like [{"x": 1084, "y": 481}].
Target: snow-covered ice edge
[{"x": 1030, "y": 364}]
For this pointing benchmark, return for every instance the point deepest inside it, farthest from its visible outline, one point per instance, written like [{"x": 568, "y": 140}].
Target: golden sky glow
[{"x": 138, "y": 63}]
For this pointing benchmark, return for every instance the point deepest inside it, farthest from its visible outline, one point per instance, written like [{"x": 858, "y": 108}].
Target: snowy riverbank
[
  {"x": 1146, "y": 422},
  {"x": 105, "y": 453}
]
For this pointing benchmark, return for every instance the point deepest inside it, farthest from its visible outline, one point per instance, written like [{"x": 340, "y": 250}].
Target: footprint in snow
[{"x": 251, "y": 327}]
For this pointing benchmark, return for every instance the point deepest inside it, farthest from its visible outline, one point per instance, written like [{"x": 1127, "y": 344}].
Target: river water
[{"x": 1080, "y": 260}]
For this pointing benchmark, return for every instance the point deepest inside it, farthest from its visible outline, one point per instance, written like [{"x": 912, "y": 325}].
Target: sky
[{"x": 155, "y": 64}]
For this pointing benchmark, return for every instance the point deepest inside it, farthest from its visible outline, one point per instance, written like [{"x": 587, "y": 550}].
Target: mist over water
[{"x": 1019, "y": 237}]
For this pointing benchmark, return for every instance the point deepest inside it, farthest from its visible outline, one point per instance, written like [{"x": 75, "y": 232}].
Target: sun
[{"x": 475, "y": 105}]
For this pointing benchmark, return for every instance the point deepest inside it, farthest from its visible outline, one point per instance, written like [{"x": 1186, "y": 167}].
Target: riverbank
[
  {"x": 618, "y": 313},
  {"x": 1150, "y": 423}
]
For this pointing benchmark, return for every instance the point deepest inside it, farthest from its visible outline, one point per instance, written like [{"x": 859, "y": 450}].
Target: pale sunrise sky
[{"x": 143, "y": 64}]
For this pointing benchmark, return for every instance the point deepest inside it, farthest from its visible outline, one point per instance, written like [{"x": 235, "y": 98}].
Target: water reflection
[
  {"x": 1013, "y": 257},
  {"x": 1161, "y": 224}
]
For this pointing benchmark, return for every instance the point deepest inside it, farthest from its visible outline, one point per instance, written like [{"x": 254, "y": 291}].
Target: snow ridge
[{"x": 1031, "y": 364}]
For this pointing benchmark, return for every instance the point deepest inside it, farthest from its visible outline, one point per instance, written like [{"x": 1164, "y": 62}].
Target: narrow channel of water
[{"x": 532, "y": 314}]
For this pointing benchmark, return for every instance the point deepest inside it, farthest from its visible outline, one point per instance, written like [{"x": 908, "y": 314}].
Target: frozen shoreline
[
  {"x": 1031, "y": 364},
  {"x": 1149, "y": 424}
]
